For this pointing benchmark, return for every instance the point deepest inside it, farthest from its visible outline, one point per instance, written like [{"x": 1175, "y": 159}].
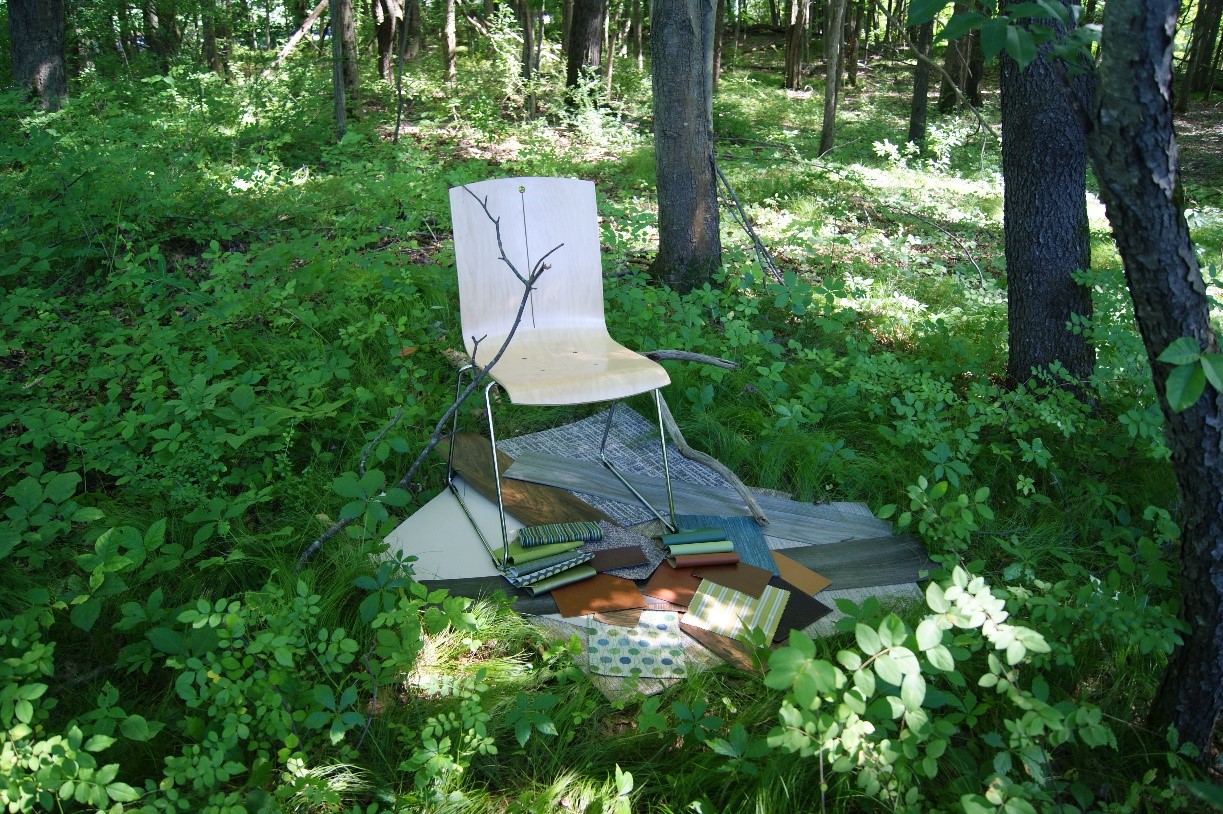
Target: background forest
[{"x": 229, "y": 318}]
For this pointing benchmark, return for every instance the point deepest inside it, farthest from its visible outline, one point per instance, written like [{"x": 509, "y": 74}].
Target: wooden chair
[{"x": 561, "y": 352}]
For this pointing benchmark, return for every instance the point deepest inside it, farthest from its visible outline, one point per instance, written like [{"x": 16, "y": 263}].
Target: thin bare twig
[
  {"x": 740, "y": 217},
  {"x": 478, "y": 379},
  {"x": 381, "y": 434},
  {"x": 951, "y": 235},
  {"x": 689, "y": 356},
  {"x": 942, "y": 72}
]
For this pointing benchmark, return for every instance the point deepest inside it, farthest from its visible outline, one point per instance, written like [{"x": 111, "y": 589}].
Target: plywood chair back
[{"x": 536, "y": 215}]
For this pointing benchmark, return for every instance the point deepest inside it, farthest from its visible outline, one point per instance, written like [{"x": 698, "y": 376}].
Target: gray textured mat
[
  {"x": 789, "y": 519},
  {"x": 888, "y": 560}
]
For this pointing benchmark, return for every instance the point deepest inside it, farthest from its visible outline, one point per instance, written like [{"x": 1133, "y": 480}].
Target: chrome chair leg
[
  {"x": 492, "y": 440},
  {"x": 669, "y": 524},
  {"x": 454, "y": 423}
]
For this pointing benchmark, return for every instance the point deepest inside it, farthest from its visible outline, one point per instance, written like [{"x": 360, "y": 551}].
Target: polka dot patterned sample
[{"x": 651, "y": 649}]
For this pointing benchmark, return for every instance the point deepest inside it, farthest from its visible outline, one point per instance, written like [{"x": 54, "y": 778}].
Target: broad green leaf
[
  {"x": 929, "y": 634},
  {"x": 166, "y": 640},
  {"x": 62, "y": 486},
  {"x": 85, "y": 614},
  {"x": 993, "y": 37},
  {"x": 138, "y": 728},
  {"x": 1183, "y": 351},
  {"x": 961, "y": 24},
  {"x": 940, "y": 657},
  {"x": 26, "y": 493},
  {"x": 1212, "y": 366},
  {"x": 1185, "y": 386},
  {"x": 887, "y": 669},
  {"x": 1020, "y": 45},
  {"x": 243, "y": 397},
  {"x": 923, "y": 11},
  {"x": 98, "y": 742},
  {"x": 868, "y": 639},
  {"x": 913, "y": 691},
  {"x": 935, "y": 598}
]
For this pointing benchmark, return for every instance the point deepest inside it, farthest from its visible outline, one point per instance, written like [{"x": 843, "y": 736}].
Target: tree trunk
[
  {"x": 1201, "y": 51},
  {"x": 719, "y": 28},
  {"x": 528, "y": 51},
  {"x": 794, "y": 43},
  {"x": 955, "y": 67},
  {"x": 297, "y": 36},
  {"x": 345, "y": 25},
  {"x": 161, "y": 32},
  {"x": 853, "y": 34},
  {"x": 832, "y": 73},
  {"x": 924, "y": 34},
  {"x": 1133, "y": 153},
  {"x": 414, "y": 44},
  {"x": 774, "y": 19},
  {"x": 638, "y": 36},
  {"x": 388, "y": 16},
  {"x": 339, "y": 104},
  {"x": 689, "y": 250},
  {"x": 585, "y": 43},
  {"x": 1045, "y": 230},
  {"x": 450, "y": 43},
  {"x": 212, "y": 52},
  {"x": 36, "y": 42}
]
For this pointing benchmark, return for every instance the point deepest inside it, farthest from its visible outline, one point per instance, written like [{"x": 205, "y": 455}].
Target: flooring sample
[
  {"x": 865, "y": 563},
  {"x": 891, "y": 596},
  {"x": 632, "y": 444},
  {"x": 697, "y": 560},
  {"x": 743, "y": 531},
  {"x": 443, "y": 540},
  {"x": 747, "y": 579},
  {"x": 652, "y": 648},
  {"x": 732, "y": 613},
  {"x": 610, "y": 559},
  {"x": 520, "y": 556},
  {"x": 618, "y": 537},
  {"x": 789, "y": 519},
  {"x": 674, "y": 585},
  {"x": 801, "y": 610},
  {"x": 477, "y": 587},
  {"x": 733, "y": 652},
  {"x": 602, "y": 592},
  {"x": 532, "y": 504},
  {"x": 800, "y": 576}
]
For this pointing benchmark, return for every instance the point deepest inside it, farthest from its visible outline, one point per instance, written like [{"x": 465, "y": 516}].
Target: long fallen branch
[
  {"x": 295, "y": 39},
  {"x": 481, "y": 374}
]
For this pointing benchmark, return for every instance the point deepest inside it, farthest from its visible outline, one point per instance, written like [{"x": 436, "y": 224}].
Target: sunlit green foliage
[{"x": 212, "y": 316}]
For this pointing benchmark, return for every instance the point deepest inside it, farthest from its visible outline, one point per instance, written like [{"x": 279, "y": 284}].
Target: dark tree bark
[
  {"x": 1133, "y": 152},
  {"x": 450, "y": 44},
  {"x": 527, "y": 19},
  {"x": 161, "y": 32},
  {"x": 963, "y": 64},
  {"x": 36, "y": 42},
  {"x": 689, "y": 249},
  {"x": 388, "y": 16},
  {"x": 214, "y": 29},
  {"x": 833, "y": 32},
  {"x": 1044, "y": 165},
  {"x": 638, "y": 36},
  {"x": 1201, "y": 51},
  {"x": 347, "y": 28},
  {"x": 585, "y": 42},
  {"x": 719, "y": 30},
  {"x": 414, "y": 44},
  {"x": 795, "y": 41},
  {"x": 923, "y": 35},
  {"x": 853, "y": 34},
  {"x": 339, "y": 103}
]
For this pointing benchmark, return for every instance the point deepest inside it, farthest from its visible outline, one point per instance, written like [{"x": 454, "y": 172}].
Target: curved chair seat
[
  {"x": 546, "y": 230},
  {"x": 556, "y": 367}
]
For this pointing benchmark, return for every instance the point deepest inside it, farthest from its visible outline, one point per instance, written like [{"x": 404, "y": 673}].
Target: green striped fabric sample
[
  {"x": 532, "y": 576},
  {"x": 559, "y": 533},
  {"x": 732, "y": 613}
]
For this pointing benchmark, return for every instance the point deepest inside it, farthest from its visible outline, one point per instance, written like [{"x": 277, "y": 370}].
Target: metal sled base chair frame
[{"x": 607, "y": 462}]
